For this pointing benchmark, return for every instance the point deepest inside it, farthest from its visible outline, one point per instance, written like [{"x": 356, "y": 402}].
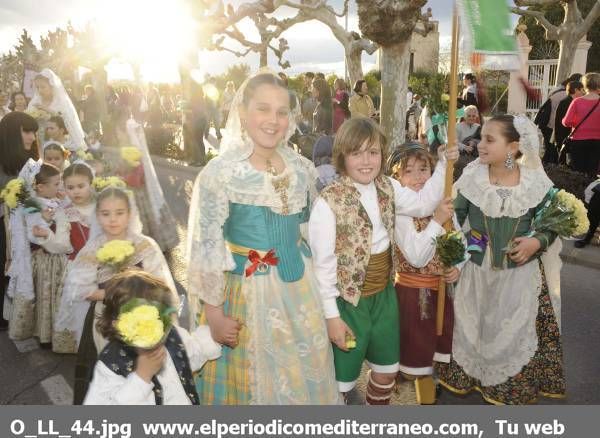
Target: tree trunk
[
  {"x": 568, "y": 47},
  {"x": 395, "y": 63},
  {"x": 263, "y": 57},
  {"x": 354, "y": 63},
  {"x": 186, "y": 92},
  {"x": 99, "y": 82}
]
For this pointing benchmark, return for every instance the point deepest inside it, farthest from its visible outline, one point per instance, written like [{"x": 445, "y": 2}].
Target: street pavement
[{"x": 29, "y": 375}]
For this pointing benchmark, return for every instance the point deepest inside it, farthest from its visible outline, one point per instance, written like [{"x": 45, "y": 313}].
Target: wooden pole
[{"x": 441, "y": 301}]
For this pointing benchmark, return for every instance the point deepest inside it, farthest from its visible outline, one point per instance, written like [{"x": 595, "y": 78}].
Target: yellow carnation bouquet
[
  {"x": 15, "y": 193},
  {"x": 100, "y": 183},
  {"x": 144, "y": 324},
  {"x": 115, "y": 253},
  {"x": 39, "y": 114},
  {"x": 131, "y": 155},
  {"x": 563, "y": 214},
  {"x": 83, "y": 155}
]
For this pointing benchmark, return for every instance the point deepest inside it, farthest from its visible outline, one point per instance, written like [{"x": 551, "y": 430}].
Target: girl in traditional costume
[
  {"x": 116, "y": 219},
  {"x": 47, "y": 231},
  {"x": 418, "y": 277},
  {"x": 80, "y": 206},
  {"x": 157, "y": 220},
  {"x": 51, "y": 99},
  {"x": 249, "y": 263},
  {"x": 351, "y": 232},
  {"x": 55, "y": 154},
  {"x": 155, "y": 375},
  {"x": 506, "y": 341}
]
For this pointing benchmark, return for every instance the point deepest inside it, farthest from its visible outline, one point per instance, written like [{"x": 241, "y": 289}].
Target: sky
[{"x": 157, "y": 31}]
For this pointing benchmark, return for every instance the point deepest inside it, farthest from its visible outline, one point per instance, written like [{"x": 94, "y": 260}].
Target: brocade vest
[{"x": 354, "y": 231}]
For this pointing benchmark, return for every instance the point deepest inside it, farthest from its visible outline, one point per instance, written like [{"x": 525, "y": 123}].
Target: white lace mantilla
[
  {"x": 221, "y": 182},
  {"x": 495, "y": 201}
]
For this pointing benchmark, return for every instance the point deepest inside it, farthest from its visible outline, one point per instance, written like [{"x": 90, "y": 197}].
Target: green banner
[{"x": 487, "y": 30}]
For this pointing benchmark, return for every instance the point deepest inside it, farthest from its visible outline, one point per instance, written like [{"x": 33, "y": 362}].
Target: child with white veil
[
  {"x": 250, "y": 265},
  {"x": 155, "y": 215},
  {"x": 51, "y": 99},
  {"x": 116, "y": 220}
]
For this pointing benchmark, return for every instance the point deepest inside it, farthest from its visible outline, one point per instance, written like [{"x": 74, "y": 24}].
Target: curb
[
  {"x": 164, "y": 162},
  {"x": 588, "y": 256},
  {"x": 182, "y": 166}
]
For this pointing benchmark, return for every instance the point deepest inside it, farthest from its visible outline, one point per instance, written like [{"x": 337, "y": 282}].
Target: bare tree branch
[
  {"x": 366, "y": 45},
  {"x": 592, "y": 16},
  {"x": 552, "y": 31},
  {"x": 227, "y": 49},
  {"x": 535, "y": 2},
  {"x": 313, "y": 5}
]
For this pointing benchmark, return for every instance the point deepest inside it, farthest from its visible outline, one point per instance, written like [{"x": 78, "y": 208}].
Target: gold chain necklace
[{"x": 281, "y": 185}]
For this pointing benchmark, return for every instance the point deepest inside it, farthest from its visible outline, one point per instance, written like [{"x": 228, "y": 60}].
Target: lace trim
[
  {"x": 474, "y": 184},
  {"x": 220, "y": 183},
  {"x": 497, "y": 346}
]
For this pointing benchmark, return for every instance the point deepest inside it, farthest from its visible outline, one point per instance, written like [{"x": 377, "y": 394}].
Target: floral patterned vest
[
  {"x": 434, "y": 267},
  {"x": 354, "y": 231}
]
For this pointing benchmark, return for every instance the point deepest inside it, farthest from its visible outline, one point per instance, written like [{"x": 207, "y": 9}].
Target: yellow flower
[
  {"x": 12, "y": 192},
  {"x": 100, "y": 183},
  {"x": 115, "y": 252},
  {"x": 131, "y": 155},
  {"x": 83, "y": 155},
  {"x": 572, "y": 203},
  {"x": 141, "y": 327},
  {"x": 38, "y": 113},
  {"x": 15, "y": 184},
  {"x": 11, "y": 200}
]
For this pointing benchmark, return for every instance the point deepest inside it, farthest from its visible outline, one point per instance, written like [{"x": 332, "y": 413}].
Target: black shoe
[
  {"x": 3, "y": 325},
  {"x": 581, "y": 243},
  {"x": 46, "y": 345}
]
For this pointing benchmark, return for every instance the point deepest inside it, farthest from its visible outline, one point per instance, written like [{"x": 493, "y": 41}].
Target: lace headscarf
[
  {"x": 85, "y": 273},
  {"x": 62, "y": 104},
  {"x": 529, "y": 142},
  {"x": 137, "y": 138}
]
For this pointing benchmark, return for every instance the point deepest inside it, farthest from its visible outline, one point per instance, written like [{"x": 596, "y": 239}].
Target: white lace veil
[
  {"x": 236, "y": 145},
  {"x": 62, "y": 104},
  {"x": 134, "y": 227},
  {"x": 85, "y": 273},
  {"x": 137, "y": 138}
]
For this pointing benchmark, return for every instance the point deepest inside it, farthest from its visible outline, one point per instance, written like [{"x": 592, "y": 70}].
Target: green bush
[
  {"x": 373, "y": 79},
  {"x": 431, "y": 87}
]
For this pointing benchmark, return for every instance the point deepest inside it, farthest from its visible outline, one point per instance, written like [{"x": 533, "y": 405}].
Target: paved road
[{"x": 41, "y": 377}]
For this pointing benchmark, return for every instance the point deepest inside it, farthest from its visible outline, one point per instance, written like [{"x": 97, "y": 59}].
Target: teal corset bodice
[{"x": 261, "y": 229}]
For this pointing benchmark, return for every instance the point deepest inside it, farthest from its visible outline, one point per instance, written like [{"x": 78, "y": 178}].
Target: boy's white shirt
[
  {"x": 108, "y": 388},
  {"x": 322, "y": 229}
]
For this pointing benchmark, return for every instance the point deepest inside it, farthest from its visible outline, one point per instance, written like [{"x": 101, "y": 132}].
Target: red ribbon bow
[{"x": 260, "y": 263}]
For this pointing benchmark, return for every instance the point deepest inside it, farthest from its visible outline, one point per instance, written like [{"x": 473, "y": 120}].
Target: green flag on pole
[{"x": 488, "y": 34}]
